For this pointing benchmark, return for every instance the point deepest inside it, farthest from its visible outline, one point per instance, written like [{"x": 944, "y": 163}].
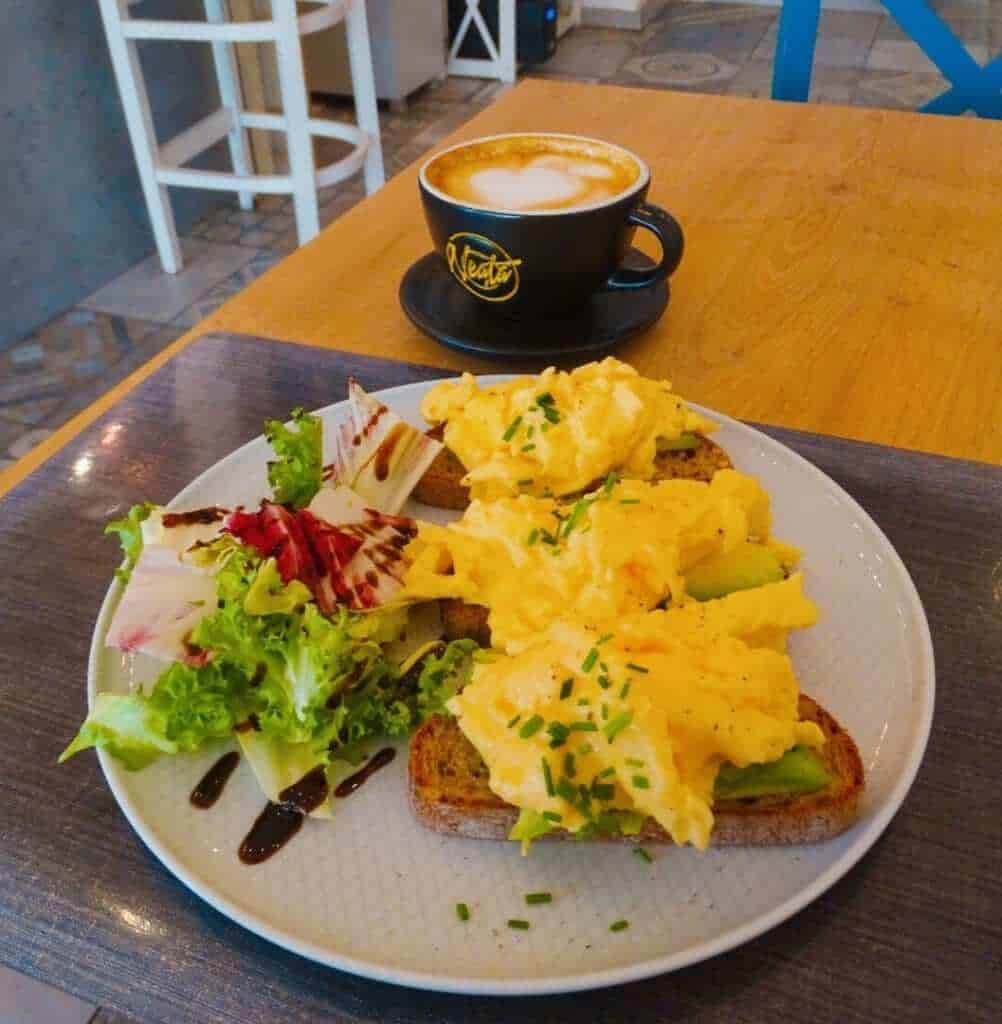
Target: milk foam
[{"x": 544, "y": 181}]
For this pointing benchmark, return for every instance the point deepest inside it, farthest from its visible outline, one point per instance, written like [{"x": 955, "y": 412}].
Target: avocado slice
[
  {"x": 799, "y": 770},
  {"x": 685, "y": 442},
  {"x": 746, "y": 566}
]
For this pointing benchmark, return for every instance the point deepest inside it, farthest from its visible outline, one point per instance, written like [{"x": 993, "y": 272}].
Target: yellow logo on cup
[{"x": 482, "y": 267}]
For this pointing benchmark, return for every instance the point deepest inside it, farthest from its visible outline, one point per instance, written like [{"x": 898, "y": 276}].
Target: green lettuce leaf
[
  {"x": 267, "y": 594},
  {"x": 128, "y": 727},
  {"x": 296, "y": 474},
  {"x": 130, "y": 536},
  {"x": 443, "y": 675},
  {"x": 187, "y": 708},
  {"x": 308, "y": 679}
]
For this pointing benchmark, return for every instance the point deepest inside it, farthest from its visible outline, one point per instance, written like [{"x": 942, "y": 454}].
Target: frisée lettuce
[{"x": 260, "y": 621}]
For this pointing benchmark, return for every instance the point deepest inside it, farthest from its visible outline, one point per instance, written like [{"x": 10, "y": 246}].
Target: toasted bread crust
[
  {"x": 442, "y": 486},
  {"x": 442, "y": 483},
  {"x": 449, "y": 793}
]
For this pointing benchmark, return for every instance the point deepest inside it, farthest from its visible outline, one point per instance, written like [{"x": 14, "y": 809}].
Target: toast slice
[
  {"x": 449, "y": 793},
  {"x": 442, "y": 484}
]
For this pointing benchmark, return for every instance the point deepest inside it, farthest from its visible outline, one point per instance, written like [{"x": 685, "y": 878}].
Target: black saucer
[{"x": 438, "y": 306}]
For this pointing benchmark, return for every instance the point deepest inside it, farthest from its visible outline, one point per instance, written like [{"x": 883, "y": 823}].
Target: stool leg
[
  {"x": 794, "y": 59},
  {"x": 363, "y": 85},
  {"x": 231, "y": 96},
  {"x": 139, "y": 121},
  {"x": 292, "y": 82}
]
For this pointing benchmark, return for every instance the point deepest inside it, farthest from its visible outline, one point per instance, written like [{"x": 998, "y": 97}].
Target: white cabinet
[{"x": 408, "y": 49}]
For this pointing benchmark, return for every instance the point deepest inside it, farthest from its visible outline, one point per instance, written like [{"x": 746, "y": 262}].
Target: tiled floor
[{"x": 862, "y": 59}]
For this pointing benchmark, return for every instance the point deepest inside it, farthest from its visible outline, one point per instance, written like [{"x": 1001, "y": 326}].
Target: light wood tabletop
[{"x": 842, "y": 273}]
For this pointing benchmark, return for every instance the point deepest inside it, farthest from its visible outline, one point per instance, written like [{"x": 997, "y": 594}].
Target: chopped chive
[
  {"x": 530, "y": 430},
  {"x": 512, "y": 427},
  {"x": 547, "y": 537},
  {"x": 583, "y": 727},
  {"x": 605, "y": 668},
  {"x": 610, "y": 481},
  {"x": 534, "y": 899},
  {"x": 604, "y": 639},
  {"x": 528, "y": 447},
  {"x": 585, "y": 748},
  {"x": 551, "y": 414},
  {"x": 625, "y": 691},
  {"x": 629, "y": 501},
  {"x": 526, "y": 483},
  {"x": 603, "y": 790},
  {"x": 570, "y": 769},
  {"x": 462, "y": 912},
  {"x": 558, "y": 733},
  {"x": 604, "y": 681},
  {"x": 514, "y": 722},
  {"x": 566, "y": 687},
  {"x": 585, "y": 793},
  {"x": 605, "y": 773},
  {"x": 545, "y": 399},
  {"x": 565, "y": 789},
  {"x": 617, "y": 725},
  {"x": 639, "y": 851},
  {"x": 590, "y": 658},
  {"x": 605, "y": 711},
  {"x": 533, "y": 537},
  {"x": 641, "y": 782},
  {"x": 634, "y": 762},
  {"x": 552, "y": 816},
  {"x": 531, "y": 727},
  {"x": 583, "y": 702},
  {"x": 545, "y": 427},
  {"x": 577, "y": 513},
  {"x": 634, "y": 667},
  {"x": 548, "y": 778},
  {"x": 518, "y": 924},
  {"x": 616, "y": 926}
]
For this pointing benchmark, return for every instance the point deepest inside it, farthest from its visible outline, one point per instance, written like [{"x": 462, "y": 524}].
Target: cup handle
[{"x": 668, "y": 232}]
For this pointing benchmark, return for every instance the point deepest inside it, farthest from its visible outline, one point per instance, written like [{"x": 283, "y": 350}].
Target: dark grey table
[{"x": 912, "y": 933}]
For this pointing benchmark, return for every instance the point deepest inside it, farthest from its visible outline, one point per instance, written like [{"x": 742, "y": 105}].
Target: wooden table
[{"x": 842, "y": 273}]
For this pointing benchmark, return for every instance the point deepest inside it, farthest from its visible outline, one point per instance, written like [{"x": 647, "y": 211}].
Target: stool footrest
[{"x": 231, "y": 32}]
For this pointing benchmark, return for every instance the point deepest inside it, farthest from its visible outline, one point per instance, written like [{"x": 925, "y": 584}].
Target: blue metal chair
[{"x": 972, "y": 87}]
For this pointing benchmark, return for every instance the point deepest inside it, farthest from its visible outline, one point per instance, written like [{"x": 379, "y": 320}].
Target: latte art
[{"x": 530, "y": 173}]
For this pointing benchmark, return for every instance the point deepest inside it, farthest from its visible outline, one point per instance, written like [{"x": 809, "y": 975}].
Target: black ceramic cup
[{"x": 546, "y": 262}]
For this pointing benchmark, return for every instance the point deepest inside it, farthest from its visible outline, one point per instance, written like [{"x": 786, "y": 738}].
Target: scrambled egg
[
  {"x": 622, "y": 550},
  {"x": 558, "y": 433},
  {"x": 640, "y": 719}
]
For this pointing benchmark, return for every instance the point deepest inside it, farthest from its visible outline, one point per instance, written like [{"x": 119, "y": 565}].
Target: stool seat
[{"x": 163, "y": 165}]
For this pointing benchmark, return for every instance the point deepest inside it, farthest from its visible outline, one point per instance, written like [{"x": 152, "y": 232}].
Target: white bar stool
[{"x": 163, "y": 165}]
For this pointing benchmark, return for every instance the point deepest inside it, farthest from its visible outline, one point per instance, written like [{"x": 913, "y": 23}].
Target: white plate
[{"x": 374, "y": 894}]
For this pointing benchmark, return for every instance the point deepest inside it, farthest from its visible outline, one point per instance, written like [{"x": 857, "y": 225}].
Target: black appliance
[{"x": 535, "y": 29}]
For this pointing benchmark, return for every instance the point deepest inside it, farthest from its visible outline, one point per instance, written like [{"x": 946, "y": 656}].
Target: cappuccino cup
[{"x": 535, "y": 223}]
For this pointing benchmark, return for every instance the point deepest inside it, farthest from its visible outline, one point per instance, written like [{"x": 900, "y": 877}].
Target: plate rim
[{"x": 479, "y": 985}]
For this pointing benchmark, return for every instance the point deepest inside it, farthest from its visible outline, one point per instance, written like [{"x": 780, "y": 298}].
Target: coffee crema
[{"x": 533, "y": 172}]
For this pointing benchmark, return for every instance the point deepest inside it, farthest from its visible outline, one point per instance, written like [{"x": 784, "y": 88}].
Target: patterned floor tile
[
  {"x": 590, "y": 53},
  {"x": 907, "y": 90},
  {"x": 225, "y": 290},
  {"x": 904, "y": 55},
  {"x": 146, "y": 293},
  {"x": 677, "y": 68}
]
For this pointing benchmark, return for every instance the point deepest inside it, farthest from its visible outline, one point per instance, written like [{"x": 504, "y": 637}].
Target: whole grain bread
[
  {"x": 449, "y": 793},
  {"x": 442, "y": 484}
]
